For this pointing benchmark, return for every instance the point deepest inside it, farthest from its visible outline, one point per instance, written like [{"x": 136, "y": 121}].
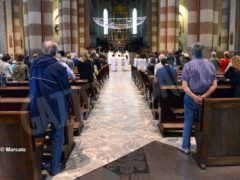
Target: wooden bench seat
[
  {"x": 171, "y": 106},
  {"x": 15, "y": 134},
  {"x": 23, "y": 104},
  {"x": 23, "y": 91}
]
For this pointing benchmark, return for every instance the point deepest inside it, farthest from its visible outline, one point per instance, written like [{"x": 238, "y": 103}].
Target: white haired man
[{"x": 49, "y": 101}]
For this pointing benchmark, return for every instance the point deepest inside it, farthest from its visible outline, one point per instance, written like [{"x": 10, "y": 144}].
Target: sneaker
[{"x": 183, "y": 150}]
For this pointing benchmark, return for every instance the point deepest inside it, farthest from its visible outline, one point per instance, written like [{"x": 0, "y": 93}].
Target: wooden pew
[
  {"x": 76, "y": 110},
  {"x": 171, "y": 109},
  {"x": 22, "y": 104},
  {"x": 154, "y": 96},
  {"x": 14, "y": 91},
  {"x": 19, "y": 165},
  {"x": 23, "y": 88},
  {"x": 23, "y": 91},
  {"x": 218, "y": 136},
  {"x": 26, "y": 83}
]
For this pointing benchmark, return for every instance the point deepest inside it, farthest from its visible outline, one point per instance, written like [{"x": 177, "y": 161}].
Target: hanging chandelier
[{"x": 119, "y": 23}]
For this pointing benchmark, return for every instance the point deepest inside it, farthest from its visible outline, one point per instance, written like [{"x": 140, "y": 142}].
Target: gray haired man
[
  {"x": 199, "y": 82},
  {"x": 49, "y": 100}
]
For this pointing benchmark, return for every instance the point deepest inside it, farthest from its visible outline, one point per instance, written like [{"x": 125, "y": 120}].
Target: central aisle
[{"x": 120, "y": 123}]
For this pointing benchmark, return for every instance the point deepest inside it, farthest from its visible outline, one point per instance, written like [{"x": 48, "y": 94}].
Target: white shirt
[
  {"x": 6, "y": 68},
  {"x": 142, "y": 64},
  {"x": 69, "y": 71},
  {"x": 157, "y": 66}
]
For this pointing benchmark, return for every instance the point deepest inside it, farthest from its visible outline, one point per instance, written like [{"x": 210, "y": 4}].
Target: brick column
[
  {"x": 17, "y": 26},
  {"x": 169, "y": 25},
  {"x": 162, "y": 25},
  {"x": 225, "y": 25},
  {"x": 154, "y": 27},
  {"x": 65, "y": 25},
  {"x": 172, "y": 24},
  {"x": 68, "y": 23},
  {"x": 74, "y": 25},
  {"x": 193, "y": 21},
  {"x": 38, "y": 24},
  {"x": 81, "y": 24},
  {"x": 32, "y": 28},
  {"x": 47, "y": 19},
  {"x": 208, "y": 24}
]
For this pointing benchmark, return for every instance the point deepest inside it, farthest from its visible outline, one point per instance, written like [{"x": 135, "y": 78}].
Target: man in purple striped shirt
[{"x": 199, "y": 82}]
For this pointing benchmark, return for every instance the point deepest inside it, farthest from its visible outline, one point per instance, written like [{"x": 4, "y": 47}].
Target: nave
[{"x": 120, "y": 123}]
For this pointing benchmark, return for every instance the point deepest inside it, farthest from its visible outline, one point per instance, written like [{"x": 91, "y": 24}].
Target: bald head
[
  {"x": 50, "y": 48},
  {"x": 170, "y": 52},
  {"x": 161, "y": 57}
]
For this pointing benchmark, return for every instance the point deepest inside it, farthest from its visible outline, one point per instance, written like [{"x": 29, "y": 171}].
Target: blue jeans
[
  {"x": 190, "y": 107},
  {"x": 56, "y": 148}
]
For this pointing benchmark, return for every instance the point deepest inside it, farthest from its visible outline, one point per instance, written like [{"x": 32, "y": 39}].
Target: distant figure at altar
[
  {"x": 113, "y": 62},
  {"x": 126, "y": 54},
  {"x": 110, "y": 53},
  {"x": 126, "y": 63}
]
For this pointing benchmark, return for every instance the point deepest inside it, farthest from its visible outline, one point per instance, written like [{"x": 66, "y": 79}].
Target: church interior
[{"x": 119, "y": 89}]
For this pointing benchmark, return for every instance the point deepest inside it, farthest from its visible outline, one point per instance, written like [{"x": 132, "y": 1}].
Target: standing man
[
  {"x": 49, "y": 101},
  {"x": 199, "y": 82}
]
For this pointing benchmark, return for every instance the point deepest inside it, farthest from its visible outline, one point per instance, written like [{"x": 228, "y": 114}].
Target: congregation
[
  {"x": 165, "y": 66},
  {"x": 119, "y": 89},
  {"x": 50, "y": 73}
]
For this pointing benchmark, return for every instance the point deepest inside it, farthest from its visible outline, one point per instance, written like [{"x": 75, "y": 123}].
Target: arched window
[
  {"x": 105, "y": 21},
  {"x": 134, "y": 16}
]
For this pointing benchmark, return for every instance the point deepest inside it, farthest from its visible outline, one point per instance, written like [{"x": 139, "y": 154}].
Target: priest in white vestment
[
  {"x": 110, "y": 53},
  {"x": 126, "y": 63},
  {"x": 113, "y": 62}
]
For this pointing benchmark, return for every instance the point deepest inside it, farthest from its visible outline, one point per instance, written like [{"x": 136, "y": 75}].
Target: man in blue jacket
[{"x": 49, "y": 95}]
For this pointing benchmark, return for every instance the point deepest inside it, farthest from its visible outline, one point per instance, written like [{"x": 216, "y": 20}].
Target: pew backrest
[
  {"x": 14, "y": 128},
  {"x": 218, "y": 139}
]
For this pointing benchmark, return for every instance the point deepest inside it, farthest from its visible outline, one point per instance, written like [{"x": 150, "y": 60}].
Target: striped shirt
[{"x": 199, "y": 74}]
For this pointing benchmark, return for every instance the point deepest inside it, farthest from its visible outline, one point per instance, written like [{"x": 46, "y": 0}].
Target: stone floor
[{"x": 120, "y": 123}]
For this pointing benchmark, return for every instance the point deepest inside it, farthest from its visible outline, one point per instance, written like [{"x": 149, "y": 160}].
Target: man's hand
[{"x": 198, "y": 100}]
